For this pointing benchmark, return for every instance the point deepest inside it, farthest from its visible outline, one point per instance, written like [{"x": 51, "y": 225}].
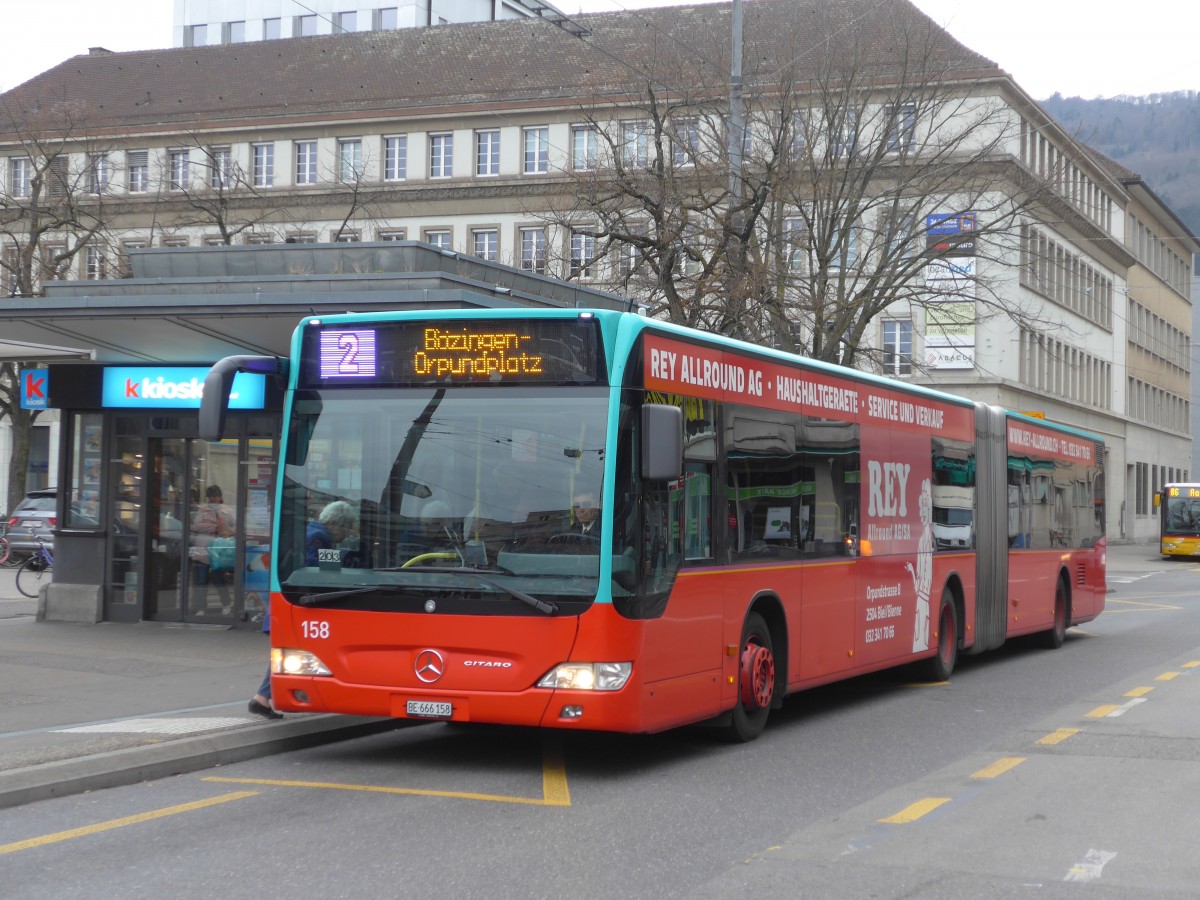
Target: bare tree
[
  {"x": 859, "y": 151},
  {"x": 52, "y": 209}
]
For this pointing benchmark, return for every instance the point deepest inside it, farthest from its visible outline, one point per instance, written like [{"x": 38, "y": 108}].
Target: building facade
[
  {"x": 200, "y": 23},
  {"x": 1023, "y": 285}
]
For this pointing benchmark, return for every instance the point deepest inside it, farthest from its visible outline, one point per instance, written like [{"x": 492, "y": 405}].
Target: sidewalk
[
  {"x": 92, "y": 706},
  {"x": 84, "y": 707}
]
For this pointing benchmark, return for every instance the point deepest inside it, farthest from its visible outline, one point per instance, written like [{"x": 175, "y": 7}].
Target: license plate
[
  {"x": 32, "y": 524},
  {"x": 430, "y": 709}
]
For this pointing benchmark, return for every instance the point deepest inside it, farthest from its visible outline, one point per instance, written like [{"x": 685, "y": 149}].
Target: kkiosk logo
[{"x": 165, "y": 388}]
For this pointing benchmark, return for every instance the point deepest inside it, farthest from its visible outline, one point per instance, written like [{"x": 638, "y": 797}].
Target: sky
[{"x": 1086, "y": 48}]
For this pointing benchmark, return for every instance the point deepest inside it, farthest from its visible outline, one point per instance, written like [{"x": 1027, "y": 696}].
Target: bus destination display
[{"x": 479, "y": 352}]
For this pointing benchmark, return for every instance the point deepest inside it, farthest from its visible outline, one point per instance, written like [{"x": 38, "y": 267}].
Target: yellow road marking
[
  {"x": 1101, "y": 711},
  {"x": 120, "y": 823},
  {"x": 1057, "y": 737},
  {"x": 378, "y": 789},
  {"x": 999, "y": 767},
  {"x": 554, "y": 786},
  {"x": 1167, "y": 676},
  {"x": 914, "y": 811},
  {"x": 1190, "y": 665},
  {"x": 1139, "y": 692},
  {"x": 1154, "y": 607}
]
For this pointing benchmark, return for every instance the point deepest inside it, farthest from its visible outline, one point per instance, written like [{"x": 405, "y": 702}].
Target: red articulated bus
[{"x": 592, "y": 520}]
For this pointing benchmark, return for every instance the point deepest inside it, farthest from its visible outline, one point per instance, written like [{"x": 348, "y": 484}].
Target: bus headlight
[
  {"x": 606, "y": 676},
  {"x": 285, "y": 661}
]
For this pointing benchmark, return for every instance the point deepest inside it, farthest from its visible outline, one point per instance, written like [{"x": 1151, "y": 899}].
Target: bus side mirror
[
  {"x": 214, "y": 402},
  {"x": 662, "y": 442}
]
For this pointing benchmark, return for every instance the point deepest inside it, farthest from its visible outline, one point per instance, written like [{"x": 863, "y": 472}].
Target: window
[
  {"x": 271, "y": 30},
  {"x": 485, "y": 243},
  {"x": 687, "y": 141},
  {"x": 846, "y": 135},
  {"x": 441, "y": 155},
  {"x": 793, "y": 243},
  {"x": 897, "y": 347},
  {"x": 385, "y": 19},
  {"x": 583, "y": 148},
  {"x": 844, "y": 244},
  {"x": 51, "y": 265},
  {"x": 306, "y": 162},
  {"x": 901, "y": 230},
  {"x": 440, "y": 238},
  {"x": 221, "y": 174},
  {"x": 345, "y": 21},
  {"x": 391, "y": 234},
  {"x": 305, "y": 26},
  {"x": 253, "y": 240},
  {"x": 264, "y": 165},
  {"x": 583, "y": 254},
  {"x": 137, "y": 171},
  {"x": 10, "y": 266},
  {"x": 628, "y": 259},
  {"x": 173, "y": 242},
  {"x": 395, "y": 158},
  {"x": 635, "y": 144},
  {"x": 350, "y": 160},
  {"x": 96, "y": 266},
  {"x": 537, "y": 150},
  {"x": 195, "y": 36},
  {"x": 487, "y": 152},
  {"x": 902, "y": 125},
  {"x": 179, "y": 169},
  {"x": 799, "y": 135},
  {"x": 124, "y": 265},
  {"x": 533, "y": 250},
  {"x": 57, "y": 176},
  {"x": 98, "y": 173},
  {"x": 348, "y": 237},
  {"x": 233, "y": 33},
  {"x": 20, "y": 176}
]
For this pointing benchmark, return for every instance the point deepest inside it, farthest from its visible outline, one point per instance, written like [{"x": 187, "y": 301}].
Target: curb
[{"x": 132, "y": 765}]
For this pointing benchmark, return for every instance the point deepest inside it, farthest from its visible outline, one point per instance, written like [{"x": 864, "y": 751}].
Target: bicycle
[{"x": 34, "y": 569}]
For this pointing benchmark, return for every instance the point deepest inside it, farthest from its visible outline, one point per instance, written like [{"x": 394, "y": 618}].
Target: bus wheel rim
[
  {"x": 945, "y": 639},
  {"x": 758, "y": 676}
]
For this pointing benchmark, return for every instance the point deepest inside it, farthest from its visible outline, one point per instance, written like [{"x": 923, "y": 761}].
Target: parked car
[{"x": 33, "y": 521}]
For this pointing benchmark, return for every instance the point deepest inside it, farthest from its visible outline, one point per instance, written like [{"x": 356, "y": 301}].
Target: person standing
[
  {"x": 212, "y": 549},
  {"x": 260, "y": 703}
]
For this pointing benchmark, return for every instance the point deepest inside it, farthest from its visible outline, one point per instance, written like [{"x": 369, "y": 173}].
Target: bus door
[{"x": 897, "y": 594}]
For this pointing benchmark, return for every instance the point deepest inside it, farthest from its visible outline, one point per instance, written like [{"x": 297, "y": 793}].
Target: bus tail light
[
  {"x": 607, "y": 676},
  {"x": 285, "y": 661}
]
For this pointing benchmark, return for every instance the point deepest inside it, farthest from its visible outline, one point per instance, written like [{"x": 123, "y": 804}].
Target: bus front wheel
[{"x": 756, "y": 681}]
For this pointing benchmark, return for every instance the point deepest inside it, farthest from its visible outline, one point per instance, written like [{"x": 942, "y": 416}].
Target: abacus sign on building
[{"x": 445, "y": 351}]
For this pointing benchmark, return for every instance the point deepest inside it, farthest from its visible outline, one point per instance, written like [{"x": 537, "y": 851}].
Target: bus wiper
[
  {"x": 329, "y": 596},
  {"x": 544, "y": 606}
]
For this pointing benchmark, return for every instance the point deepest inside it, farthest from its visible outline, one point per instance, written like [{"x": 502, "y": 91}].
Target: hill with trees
[{"x": 1157, "y": 136}]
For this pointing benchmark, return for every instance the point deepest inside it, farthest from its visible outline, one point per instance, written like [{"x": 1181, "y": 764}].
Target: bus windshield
[
  {"x": 400, "y": 487},
  {"x": 1182, "y": 516}
]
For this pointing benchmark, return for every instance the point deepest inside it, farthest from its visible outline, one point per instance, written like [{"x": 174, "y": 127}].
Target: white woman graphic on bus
[{"x": 922, "y": 575}]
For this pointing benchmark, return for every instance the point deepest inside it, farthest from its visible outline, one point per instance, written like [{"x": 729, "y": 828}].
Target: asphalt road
[{"x": 1032, "y": 773}]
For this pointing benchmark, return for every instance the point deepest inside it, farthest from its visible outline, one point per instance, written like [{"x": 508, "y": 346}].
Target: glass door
[
  {"x": 213, "y": 532},
  {"x": 163, "y": 524}
]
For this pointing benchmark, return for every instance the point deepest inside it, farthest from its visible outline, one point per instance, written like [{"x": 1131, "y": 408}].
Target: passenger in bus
[{"x": 336, "y": 523}]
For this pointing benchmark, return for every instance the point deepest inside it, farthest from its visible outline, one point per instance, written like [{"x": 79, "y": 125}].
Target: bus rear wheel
[
  {"x": 941, "y": 665},
  {"x": 1053, "y": 639},
  {"x": 756, "y": 681}
]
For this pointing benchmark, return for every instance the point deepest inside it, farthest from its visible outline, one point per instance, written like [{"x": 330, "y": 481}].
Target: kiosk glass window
[{"x": 86, "y": 448}]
